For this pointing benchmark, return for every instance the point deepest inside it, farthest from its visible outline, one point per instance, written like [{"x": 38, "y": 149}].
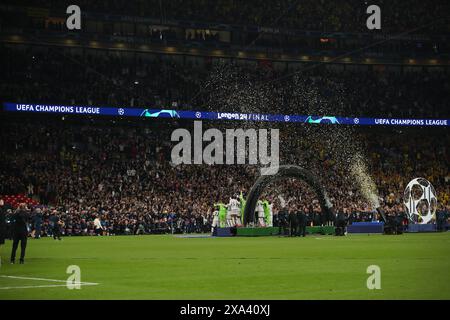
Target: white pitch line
[
  {"x": 45, "y": 286},
  {"x": 51, "y": 280}
]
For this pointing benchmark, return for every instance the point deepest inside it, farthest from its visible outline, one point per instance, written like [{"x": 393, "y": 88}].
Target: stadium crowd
[
  {"x": 52, "y": 76},
  {"x": 121, "y": 173},
  {"x": 327, "y": 16}
]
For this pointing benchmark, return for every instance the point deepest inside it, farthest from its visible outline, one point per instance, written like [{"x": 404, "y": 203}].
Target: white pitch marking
[{"x": 45, "y": 286}]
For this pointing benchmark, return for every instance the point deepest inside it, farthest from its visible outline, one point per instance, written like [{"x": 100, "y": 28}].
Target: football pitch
[{"x": 413, "y": 266}]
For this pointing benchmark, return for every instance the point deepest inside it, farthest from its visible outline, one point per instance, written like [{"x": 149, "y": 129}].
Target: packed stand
[
  {"x": 326, "y": 16},
  {"x": 51, "y": 76},
  {"x": 122, "y": 175}
]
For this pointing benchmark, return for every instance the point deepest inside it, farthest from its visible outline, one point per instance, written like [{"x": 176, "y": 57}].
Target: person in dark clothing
[
  {"x": 341, "y": 223},
  {"x": 2, "y": 223},
  {"x": 293, "y": 223},
  {"x": 352, "y": 218},
  {"x": 393, "y": 224},
  {"x": 441, "y": 218},
  {"x": 282, "y": 222},
  {"x": 19, "y": 233},
  {"x": 56, "y": 225},
  {"x": 37, "y": 222},
  {"x": 399, "y": 223},
  {"x": 301, "y": 221},
  {"x": 317, "y": 219}
]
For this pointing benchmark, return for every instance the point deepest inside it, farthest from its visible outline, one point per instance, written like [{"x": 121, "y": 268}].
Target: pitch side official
[{"x": 19, "y": 233}]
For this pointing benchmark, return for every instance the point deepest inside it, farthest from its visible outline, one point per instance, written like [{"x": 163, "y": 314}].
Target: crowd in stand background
[
  {"x": 53, "y": 76},
  {"x": 327, "y": 16},
  {"x": 122, "y": 174}
]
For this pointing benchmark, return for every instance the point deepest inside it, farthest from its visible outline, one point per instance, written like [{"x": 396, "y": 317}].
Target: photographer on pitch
[{"x": 19, "y": 232}]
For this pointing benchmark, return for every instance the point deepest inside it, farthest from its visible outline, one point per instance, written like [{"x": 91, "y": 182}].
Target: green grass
[{"x": 413, "y": 266}]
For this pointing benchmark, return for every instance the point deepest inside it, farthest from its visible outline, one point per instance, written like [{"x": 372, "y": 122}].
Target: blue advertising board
[{"x": 210, "y": 115}]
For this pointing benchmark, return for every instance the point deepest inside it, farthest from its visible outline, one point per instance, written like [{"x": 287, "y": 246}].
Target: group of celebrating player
[{"x": 232, "y": 214}]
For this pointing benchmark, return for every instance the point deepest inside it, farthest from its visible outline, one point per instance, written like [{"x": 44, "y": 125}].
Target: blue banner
[{"x": 208, "y": 115}]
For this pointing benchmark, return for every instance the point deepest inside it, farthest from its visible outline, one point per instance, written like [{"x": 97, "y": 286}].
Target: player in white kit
[
  {"x": 215, "y": 222},
  {"x": 234, "y": 207},
  {"x": 260, "y": 212}
]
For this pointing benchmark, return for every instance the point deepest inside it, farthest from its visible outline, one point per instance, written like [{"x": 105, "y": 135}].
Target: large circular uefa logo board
[{"x": 420, "y": 200}]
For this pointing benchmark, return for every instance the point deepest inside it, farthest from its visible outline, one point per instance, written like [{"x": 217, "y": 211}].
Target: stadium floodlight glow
[{"x": 420, "y": 200}]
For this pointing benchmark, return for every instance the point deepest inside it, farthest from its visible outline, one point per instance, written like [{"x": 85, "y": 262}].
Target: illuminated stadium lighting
[{"x": 16, "y": 38}]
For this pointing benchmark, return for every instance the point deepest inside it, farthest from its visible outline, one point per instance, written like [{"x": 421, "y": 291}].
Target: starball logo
[{"x": 221, "y": 148}]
